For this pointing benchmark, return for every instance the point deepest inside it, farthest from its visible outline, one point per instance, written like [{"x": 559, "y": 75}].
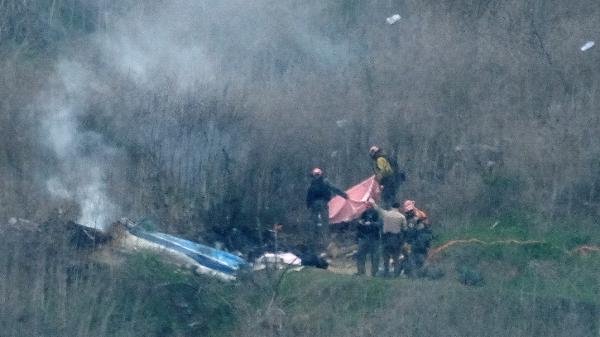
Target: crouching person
[
  {"x": 368, "y": 237},
  {"x": 393, "y": 222},
  {"x": 418, "y": 238}
]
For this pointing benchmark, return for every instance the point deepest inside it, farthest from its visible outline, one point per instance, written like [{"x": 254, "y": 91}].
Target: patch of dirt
[{"x": 342, "y": 265}]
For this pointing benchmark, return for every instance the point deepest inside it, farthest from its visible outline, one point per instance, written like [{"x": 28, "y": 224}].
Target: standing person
[
  {"x": 367, "y": 235},
  {"x": 418, "y": 236},
  {"x": 393, "y": 223},
  {"x": 318, "y": 195},
  {"x": 387, "y": 174}
]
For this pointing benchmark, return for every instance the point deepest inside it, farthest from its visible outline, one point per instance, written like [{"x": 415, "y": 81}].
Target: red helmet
[
  {"x": 409, "y": 205},
  {"x": 316, "y": 172},
  {"x": 374, "y": 150}
]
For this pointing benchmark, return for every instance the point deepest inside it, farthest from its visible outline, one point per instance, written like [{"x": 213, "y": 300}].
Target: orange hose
[
  {"x": 450, "y": 243},
  {"x": 586, "y": 249},
  {"x": 581, "y": 249}
]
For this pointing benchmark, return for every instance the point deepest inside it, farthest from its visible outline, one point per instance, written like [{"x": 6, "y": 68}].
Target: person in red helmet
[
  {"x": 417, "y": 236},
  {"x": 415, "y": 217},
  {"x": 318, "y": 195},
  {"x": 387, "y": 173}
]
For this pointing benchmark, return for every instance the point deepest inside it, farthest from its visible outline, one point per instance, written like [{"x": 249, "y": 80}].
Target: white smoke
[
  {"x": 58, "y": 189},
  {"x": 97, "y": 210},
  {"x": 148, "y": 53},
  {"x": 82, "y": 155},
  {"x": 179, "y": 46}
]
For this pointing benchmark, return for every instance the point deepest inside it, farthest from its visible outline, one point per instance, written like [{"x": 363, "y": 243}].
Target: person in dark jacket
[
  {"x": 368, "y": 237},
  {"x": 387, "y": 173},
  {"x": 318, "y": 195}
]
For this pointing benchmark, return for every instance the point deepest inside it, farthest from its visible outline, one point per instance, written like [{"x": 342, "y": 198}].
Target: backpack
[{"x": 398, "y": 173}]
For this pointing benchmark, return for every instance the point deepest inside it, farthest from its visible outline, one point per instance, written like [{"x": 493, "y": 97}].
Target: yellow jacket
[{"x": 383, "y": 169}]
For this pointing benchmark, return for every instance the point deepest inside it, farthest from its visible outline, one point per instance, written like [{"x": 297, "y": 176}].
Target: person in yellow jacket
[{"x": 387, "y": 173}]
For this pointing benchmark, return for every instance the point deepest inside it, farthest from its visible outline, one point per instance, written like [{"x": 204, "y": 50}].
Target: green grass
[
  {"x": 176, "y": 301},
  {"x": 538, "y": 277},
  {"x": 572, "y": 277},
  {"x": 527, "y": 290},
  {"x": 550, "y": 269}
]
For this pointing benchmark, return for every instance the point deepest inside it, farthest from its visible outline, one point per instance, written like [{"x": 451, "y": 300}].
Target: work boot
[
  {"x": 386, "y": 270},
  {"x": 360, "y": 269}
]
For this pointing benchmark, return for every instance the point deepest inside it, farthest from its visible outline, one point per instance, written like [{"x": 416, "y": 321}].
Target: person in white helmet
[{"x": 387, "y": 173}]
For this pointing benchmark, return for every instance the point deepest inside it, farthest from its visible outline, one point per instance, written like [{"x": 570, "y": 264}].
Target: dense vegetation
[
  {"x": 49, "y": 287},
  {"x": 202, "y": 115},
  {"x": 205, "y": 118}
]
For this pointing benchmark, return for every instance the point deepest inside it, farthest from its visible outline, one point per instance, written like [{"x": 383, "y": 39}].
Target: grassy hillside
[
  {"x": 205, "y": 118},
  {"x": 50, "y": 288}
]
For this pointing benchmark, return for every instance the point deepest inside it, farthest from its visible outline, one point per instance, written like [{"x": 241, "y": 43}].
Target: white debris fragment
[
  {"x": 279, "y": 260},
  {"x": 12, "y": 221},
  {"x": 587, "y": 45},
  {"x": 341, "y": 123},
  {"x": 393, "y": 19},
  {"x": 219, "y": 245}
]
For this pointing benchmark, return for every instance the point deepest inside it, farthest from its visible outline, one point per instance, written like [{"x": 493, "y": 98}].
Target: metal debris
[
  {"x": 587, "y": 45},
  {"x": 341, "y": 123},
  {"x": 393, "y": 19}
]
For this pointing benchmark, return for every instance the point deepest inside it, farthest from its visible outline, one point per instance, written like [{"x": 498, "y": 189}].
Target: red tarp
[{"x": 342, "y": 210}]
